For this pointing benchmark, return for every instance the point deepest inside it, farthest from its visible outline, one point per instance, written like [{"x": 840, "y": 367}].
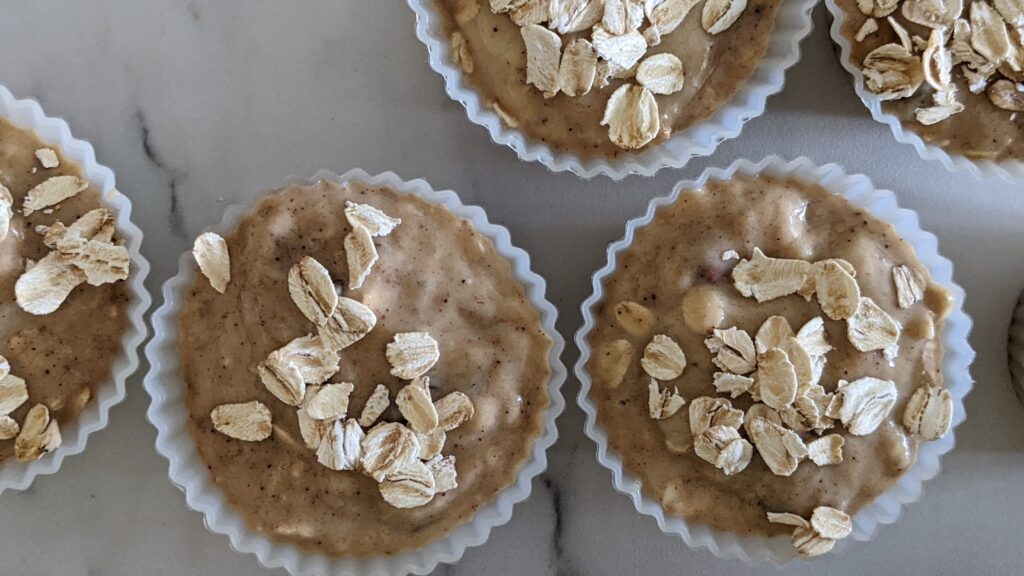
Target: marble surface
[{"x": 196, "y": 105}]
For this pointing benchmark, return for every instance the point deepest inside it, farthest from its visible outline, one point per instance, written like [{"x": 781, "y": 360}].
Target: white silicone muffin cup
[
  {"x": 169, "y": 414},
  {"x": 956, "y": 363},
  {"x": 1009, "y": 170},
  {"x": 792, "y": 24},
  {"x": 55, "y": 132}
]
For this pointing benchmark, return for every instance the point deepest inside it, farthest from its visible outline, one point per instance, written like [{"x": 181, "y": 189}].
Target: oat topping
[
  {"x": 453, "y": 411},
  {"x": 622, "y": 16},
  {"x": 282, "y": 378},
  {"x": 341, "y": 446},
  {"x": 781, "y": 449},
  {"x": 45, "y": 286},
  {"x": 578, "y": 68},
  {"x": 327, "y": 402},
  {"x": 707, "y": 411},
  {"x": 631, "y": 116},
  {"x": 409, "y": 487},
  {"x": 837, "y": 291},
  {"x": 892, "y": 72},
  {"x": 431, "y": 443},
  {"x": 52, "y": 191},
  {"x": 663, "y": 358},
  {"x": 361, "y": 255},
  {"x": 819, "y": 535},
  {"x": 909, "y": 286},
  {"x": 250, "y": 422},
  {"x": 6, "y": 211},
  {"x": 211, "y": 253},
  {"x": 543, "y": 55},
  {"x": 733, "y": 350},
  {"x": 39, "y": 435},
  {"x": 47, "y": 158},
  {"x": 826, "y": 450},
  {"x": 929, "y": 412},
  {"x": 871, "y": 328},
  {"x": 634, "y": 318},
  {"x": 865, "y": 403},
  {"x": 767, "y": 278},
  {"x": 776, "y": 379},
  {"x": 417, "y": 408},
  {"x": 312, "y": 290},
  {"x": 732, "y": 384},
  {"x": 443, "y": 471},
  {"x": 412, "y": 354},
  {"x": 312, "y": 430},
  {"x": 719, "y": 15},
  {"x": 869, "y": 27},
  {"x": 375, "y": 405},
  {"x": 788, "y": 518},
  {"x": 985, "y": 42},
  {"x": 83, "y": 252},
  {"x": 13, "y": 393},
  {"x": 877, "y": 8},
  {"x": 351, "y": 321},
  {"x": 587, "y": 43},
  {"x": 661, "y": 74},
  {"x": 461, "y": 54},
  {"x": 612, "y": 361},
  {"x": 772, "y": 334},
  {"x": 9, "y": 428},
  {"x": 665, "y": 403},
  {"x": 667, "y": 15}
]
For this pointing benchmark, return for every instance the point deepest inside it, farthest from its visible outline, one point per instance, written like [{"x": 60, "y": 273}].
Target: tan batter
[
  {"x": 436, "y": 274},
  {"x": 66, "y": 355},
  {"x": 715, "y": 68},
  {"x": 981, "y": 131},
  {"x": 681, "y": 251}
]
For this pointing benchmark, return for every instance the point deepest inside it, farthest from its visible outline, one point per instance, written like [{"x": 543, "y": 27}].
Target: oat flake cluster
[
  {"x": 984, "y": 41},
  {"x": 80, "y": 253},
  {"x": 793, "y": 417},
  {"x": 574, "y": 46},
  {"x": 403, "y": 458}
]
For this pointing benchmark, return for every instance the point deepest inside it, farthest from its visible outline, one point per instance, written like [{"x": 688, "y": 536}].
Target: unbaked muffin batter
[
  {"x": 980, "y": 131},
  {"x": 679, "y": 254},
  {"x": 436, "y": 274},
  {"x": 63, "y": 356},
  {"x": 715, "y": 68}
]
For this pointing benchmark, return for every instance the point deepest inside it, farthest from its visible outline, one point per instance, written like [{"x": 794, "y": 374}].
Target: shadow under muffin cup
[
  {"x": 693, "y": 500},
  {"x": 386, "y": 539}
]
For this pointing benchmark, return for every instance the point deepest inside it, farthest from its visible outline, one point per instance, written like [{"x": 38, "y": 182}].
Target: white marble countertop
[{"x": 196, "y": 105}]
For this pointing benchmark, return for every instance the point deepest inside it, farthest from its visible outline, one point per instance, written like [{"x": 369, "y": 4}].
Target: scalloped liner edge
[
  {"x": 27, "y": 113},
  {"x": 958, "y": 357},
  {"x": 793, "y": 24},
  {"x": 168, "y": 414}
]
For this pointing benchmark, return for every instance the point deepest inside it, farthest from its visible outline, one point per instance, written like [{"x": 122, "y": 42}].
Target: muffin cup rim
[
  {"x": 958, "y": 356},
  {"x": 169, "y": 415}
]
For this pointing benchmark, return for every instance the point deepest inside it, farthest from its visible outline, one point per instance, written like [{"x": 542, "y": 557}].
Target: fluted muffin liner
[
  {"x": 1010, "y": 170},
  {"x": 26, "y": 113},
  {"x": 169, "y": 414},
  {"x": 885, "y": 509},
  {"x": 792, "y": 24}
]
